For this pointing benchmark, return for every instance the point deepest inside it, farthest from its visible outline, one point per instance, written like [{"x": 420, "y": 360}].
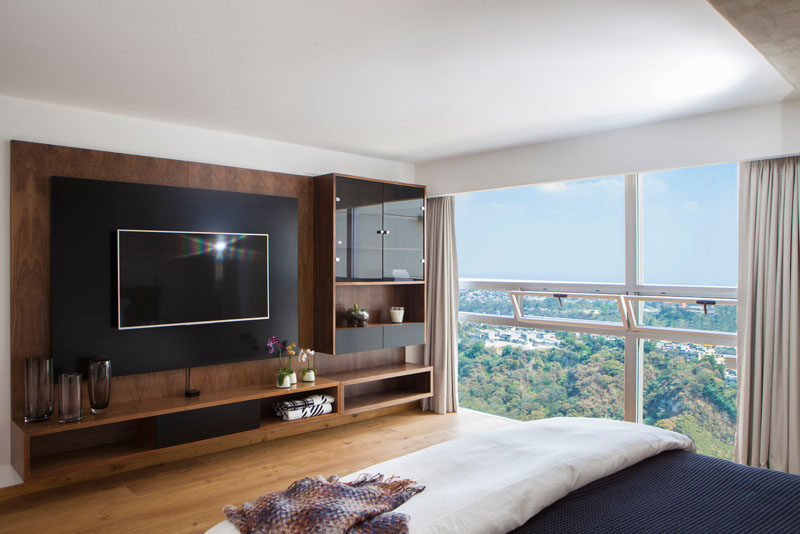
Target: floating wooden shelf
[
  {"x": 388, "y": 385},
  {"x": 90, "y": 457},
  {"x": 371, "y": 325},
  {"x": 66, "y": 462},
  {"x": 129, "y": 411},
  {"x": 382, "y": 283},
  {"x": 358, "y": 376},
  {"x": 123, "y": 436},
  {"x": 382, "y": 399}
]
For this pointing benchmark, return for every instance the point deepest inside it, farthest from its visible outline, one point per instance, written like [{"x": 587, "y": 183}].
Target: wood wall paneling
[{"x": 32, "y": 165}]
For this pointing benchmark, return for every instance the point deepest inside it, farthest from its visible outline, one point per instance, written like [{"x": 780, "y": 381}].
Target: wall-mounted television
[
  {"x": 170, "y": 296},
  {"x": 174, "y": 278}
]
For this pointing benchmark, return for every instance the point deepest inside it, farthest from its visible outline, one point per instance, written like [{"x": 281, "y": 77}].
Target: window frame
[{"x": 629, "y": 295}]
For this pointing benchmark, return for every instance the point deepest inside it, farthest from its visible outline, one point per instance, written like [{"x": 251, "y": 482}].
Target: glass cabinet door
[
  {"x": 403, "y": 231},
  {"x": 359, "y": 230}
]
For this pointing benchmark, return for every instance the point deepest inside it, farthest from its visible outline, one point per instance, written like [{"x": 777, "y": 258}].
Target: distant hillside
[{"x": 584, "y": 376}]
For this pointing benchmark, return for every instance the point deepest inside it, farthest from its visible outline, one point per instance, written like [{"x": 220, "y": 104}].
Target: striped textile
[
  {"x": 306, "y": 412},
  {"x": 287, "y": 405},
  {"x": 318, "y": 505}
]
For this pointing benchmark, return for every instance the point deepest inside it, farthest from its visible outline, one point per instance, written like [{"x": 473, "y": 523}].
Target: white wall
[
  {"x": 750, "y": 133},
  {"x": 46, "y": 123}
]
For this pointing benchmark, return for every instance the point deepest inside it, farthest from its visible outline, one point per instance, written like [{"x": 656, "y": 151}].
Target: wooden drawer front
[
  {"x": 194, "y": 425},
  {"x": 359, "y": 339},
  {"x": 402, "y": 335}
]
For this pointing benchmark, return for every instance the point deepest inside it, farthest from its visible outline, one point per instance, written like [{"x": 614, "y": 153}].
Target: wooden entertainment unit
[
  {"x": 125, "y": 433},
  {"x": 365, "y": 381}
]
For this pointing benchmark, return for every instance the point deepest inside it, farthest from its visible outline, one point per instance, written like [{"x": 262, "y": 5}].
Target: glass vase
[
  {"x": 38, "y": 389},
  {"x": 69, "y": 406},
  {"x": 99, "y": 385}
]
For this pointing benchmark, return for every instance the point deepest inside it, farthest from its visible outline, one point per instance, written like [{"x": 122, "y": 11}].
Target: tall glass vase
[
  {"x": 38, "y": 389},
  {"x": 69, "y": 406},
  {"x": 99, "y": 385}
]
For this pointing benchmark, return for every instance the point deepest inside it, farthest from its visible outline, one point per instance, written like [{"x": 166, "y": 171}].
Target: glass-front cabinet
[{"x": 379, "y": 231}]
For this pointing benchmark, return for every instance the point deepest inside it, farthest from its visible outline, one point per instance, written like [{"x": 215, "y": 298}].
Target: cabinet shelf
[
  {"x": 382, "y": 399},
  {"x": 381, "y": 283},
  {"x": 91, "y": 457},
  {"x": 86, "y": 458},
  {"x": 129, "y": 411},
  {"x": 380, "y": 387},
  {"x": 373, "y": 325},
  {"x": 371, "y": 374},
  {"x": 128, "y": 439},
  {"x": 383, "y": 248}
]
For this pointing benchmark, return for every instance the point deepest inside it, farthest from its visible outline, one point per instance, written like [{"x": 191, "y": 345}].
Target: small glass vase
[
  {"x": 99, "y": 385},
  {"x": 69, "y": 407},
  {"x": 38, "y": 389}
]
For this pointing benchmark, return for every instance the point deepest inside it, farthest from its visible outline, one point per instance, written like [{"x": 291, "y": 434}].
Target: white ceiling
[{"x": 411, "y": 80}]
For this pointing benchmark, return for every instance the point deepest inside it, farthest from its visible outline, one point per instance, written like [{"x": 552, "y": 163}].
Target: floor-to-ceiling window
[{"x": 610, "y": 297}]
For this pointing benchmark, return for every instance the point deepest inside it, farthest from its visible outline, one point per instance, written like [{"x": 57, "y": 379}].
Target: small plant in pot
[
  {"x": 286, "y": 375},
  {"x": 309, "y": 374},
  {"x": 356, "y": 316}
]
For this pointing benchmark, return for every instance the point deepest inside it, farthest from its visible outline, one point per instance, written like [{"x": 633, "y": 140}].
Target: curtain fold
[
  {"x": 768, "y": 432},
  {"x": 441, "y": 330}
]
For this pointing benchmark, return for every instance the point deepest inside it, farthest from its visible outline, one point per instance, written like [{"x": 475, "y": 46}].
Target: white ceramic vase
[
  {"x": 293, "y": 377},
  {"x": 286, "y": 382},
  {"x": 309, "y": 376}
]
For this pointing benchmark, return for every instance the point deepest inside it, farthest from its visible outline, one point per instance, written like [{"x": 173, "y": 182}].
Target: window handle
[
  {"x": 560, "y": 296},
  {"x": 705, "y": 304}
]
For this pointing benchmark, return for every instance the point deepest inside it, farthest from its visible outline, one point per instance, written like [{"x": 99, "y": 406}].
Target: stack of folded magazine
[{"x": 291, "y": 410}]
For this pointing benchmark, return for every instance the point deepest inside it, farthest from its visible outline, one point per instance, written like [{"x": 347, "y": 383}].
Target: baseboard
[{"x": 9, "y": 476}]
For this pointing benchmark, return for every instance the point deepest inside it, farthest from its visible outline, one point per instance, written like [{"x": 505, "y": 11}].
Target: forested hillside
[{"x": 583, "y": 375}]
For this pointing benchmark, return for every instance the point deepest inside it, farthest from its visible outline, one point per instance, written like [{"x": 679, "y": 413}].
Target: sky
[{"x": 574, "y": 231}]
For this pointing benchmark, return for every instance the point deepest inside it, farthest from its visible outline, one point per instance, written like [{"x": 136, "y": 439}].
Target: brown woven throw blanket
[{"x": 328, "y": 506}]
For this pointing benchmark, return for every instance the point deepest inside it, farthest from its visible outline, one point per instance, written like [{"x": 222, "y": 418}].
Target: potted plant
[
  {"x": 309, "y": 374},
  {"x": 356, "y": 316},
  {"x": 286, "y": 375}
]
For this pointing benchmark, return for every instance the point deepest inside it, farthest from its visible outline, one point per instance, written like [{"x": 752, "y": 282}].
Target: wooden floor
[{"x": 188, "y": 495}]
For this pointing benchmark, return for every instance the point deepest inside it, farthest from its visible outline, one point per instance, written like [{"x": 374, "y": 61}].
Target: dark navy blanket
[{"x": 677, "y": 491}]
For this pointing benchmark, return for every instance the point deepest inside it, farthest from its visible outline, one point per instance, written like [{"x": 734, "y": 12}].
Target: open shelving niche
[
  {"x": 376, "y": 298},
  {"x": 379, "y": 387},
  {"x": 126, "y": 431}
]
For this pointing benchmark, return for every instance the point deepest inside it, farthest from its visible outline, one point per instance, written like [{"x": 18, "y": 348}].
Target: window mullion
[
  {"x": 633, "y": 238},
  {"x": 633, "y": 378},
  {"x": 633, "y": 276}
]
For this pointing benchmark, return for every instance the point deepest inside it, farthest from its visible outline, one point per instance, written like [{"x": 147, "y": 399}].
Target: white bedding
[{"x": 494, "y": 481}]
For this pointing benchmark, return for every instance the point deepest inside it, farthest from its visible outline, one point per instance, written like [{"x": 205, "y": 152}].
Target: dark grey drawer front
[
  {"x": 204, "y": 423},
  {"x": 402, "y": 335},
  {"x": 359, "y": 339}
]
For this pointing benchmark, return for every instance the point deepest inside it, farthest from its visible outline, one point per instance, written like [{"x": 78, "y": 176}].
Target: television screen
[{"x": 168, "y": 278}]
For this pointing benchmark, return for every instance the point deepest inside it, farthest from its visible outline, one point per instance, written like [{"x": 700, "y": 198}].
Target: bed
[{"x": 586, "y": 475}]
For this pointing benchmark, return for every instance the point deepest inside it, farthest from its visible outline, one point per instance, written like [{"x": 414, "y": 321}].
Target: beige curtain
[
  {"x": 441, "y": 273},
  {"x": 768, "y": 433}
]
